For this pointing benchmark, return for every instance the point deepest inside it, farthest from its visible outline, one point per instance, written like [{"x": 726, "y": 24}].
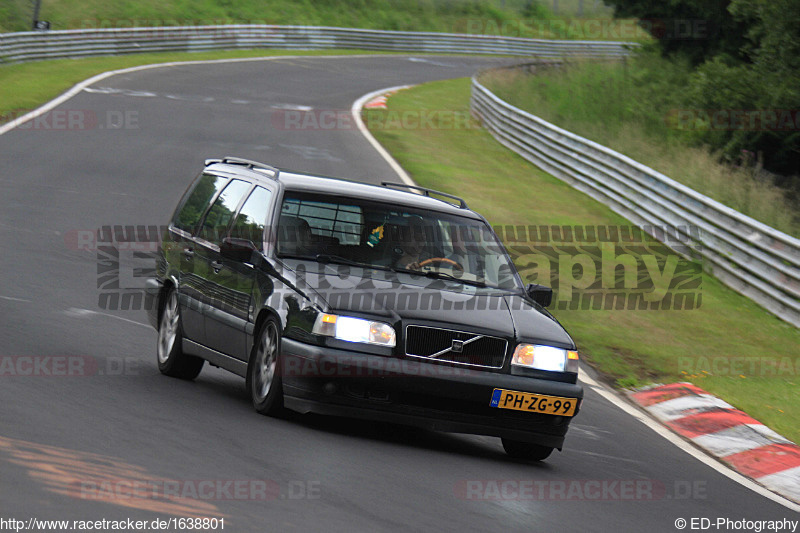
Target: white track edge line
[
  {"x": 77, "y": 88},
  {"x": 356, "y": 111},
  {"x": 611, "y": 396},
  {"x": 705, "y": 458}
]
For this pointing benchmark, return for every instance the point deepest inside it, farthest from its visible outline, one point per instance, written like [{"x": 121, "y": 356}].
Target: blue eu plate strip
[{"x": 496, "y": 398}]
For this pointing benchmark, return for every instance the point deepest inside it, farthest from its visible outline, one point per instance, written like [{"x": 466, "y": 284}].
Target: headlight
[
  {"x": 351, "y": 329},
  {"x": 545, "y": 358}
]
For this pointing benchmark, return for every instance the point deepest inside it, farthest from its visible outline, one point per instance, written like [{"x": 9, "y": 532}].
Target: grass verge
[
  {"x": 635, "y": 108},
  {"x": 729, "y": 345},
  {"x": 511, "y": 18}
]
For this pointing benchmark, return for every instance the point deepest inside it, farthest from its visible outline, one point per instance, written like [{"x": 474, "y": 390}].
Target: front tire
[
  {"x": 526, "y": 450},
  {"x": 264, "y": 371},
  {"x": 171, "y": 359}
]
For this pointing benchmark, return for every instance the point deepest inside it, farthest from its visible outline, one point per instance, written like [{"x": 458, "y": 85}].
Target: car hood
[{"x": 403, "y": 299}]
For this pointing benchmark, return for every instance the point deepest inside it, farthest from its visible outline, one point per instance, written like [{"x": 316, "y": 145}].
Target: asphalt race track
[{"x": 113, "y": 439}]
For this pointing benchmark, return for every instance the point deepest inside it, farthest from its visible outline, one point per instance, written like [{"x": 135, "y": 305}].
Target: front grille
[{"x": 438, "y": 344}]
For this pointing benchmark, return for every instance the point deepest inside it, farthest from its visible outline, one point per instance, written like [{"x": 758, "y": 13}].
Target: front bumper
[{"x": 414, "y": 392}]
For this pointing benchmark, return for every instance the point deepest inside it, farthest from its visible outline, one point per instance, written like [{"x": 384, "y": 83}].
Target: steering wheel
[{"x": 440, "y": 260}]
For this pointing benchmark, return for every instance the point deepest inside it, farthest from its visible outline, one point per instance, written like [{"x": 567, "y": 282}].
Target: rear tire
[
  {"x": 526, "y": 450},
  {"x": 264, "y": 371},
  {"x": 171, "y": 359}
]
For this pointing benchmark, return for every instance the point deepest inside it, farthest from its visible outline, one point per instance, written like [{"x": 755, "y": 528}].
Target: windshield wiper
[
  {"x": 445, "y": 275},
  {"x": 338, "y": 259},
  {"x": 440, "y": 275},
  {"x": 329, "y": 258}
]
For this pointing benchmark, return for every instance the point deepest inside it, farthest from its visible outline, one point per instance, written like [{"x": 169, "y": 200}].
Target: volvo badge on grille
[{"x": 458, "y": 346}]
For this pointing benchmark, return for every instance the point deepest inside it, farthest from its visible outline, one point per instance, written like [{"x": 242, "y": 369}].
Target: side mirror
[
  {"x": 541, "y": 294},
  {"x": 239, "y": 250}
]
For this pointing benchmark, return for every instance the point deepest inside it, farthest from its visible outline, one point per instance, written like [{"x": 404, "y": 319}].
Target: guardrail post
[{"x": 754, "y": 259}]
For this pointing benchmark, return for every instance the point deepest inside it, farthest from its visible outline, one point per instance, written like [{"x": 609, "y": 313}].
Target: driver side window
[
  {"x": 219, "y": 216},
  {"x": 252, "y": 218}
]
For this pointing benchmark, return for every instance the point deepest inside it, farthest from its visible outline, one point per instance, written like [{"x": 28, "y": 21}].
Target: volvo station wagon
[{"x": 394, "y": 303}]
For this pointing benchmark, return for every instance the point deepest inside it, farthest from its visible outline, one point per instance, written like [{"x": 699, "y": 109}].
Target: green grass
[
  {"x": 386, "y": 14},
  {"x": 631, "y": 107},
  {"x": 518, "y": 18},
  {"x": 26, "y": 86},
  {"x": 631, "y": 347}
]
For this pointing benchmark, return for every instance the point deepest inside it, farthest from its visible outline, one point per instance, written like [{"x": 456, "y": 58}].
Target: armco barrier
[
  {"x": 754, "y": 259},
  {"x": 28, "y": 46}
]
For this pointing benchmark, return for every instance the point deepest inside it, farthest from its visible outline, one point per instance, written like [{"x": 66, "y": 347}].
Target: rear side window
[
  {"x": 221, "y": 213},
  {"x": 252, "y": 217},
  {"x": 196, "y": 201},
  {"x": 340, "y": 221}
]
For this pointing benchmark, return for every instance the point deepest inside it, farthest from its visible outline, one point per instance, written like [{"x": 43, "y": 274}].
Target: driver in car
[
  {"x": 412, "y": 243},
  {"x": 414, "y": 250}
]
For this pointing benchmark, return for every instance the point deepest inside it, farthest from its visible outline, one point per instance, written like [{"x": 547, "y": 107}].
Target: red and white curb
[
  {"x": 745, "y": 444},
  {"x": 355, "y": 111},
  {"x": 379, "y": 102}
]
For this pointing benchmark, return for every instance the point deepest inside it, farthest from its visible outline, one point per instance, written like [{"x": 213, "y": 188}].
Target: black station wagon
[{"x": 394, "y": 303}]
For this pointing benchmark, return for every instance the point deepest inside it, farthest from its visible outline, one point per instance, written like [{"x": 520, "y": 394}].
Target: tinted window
[
  {"x": 221, "y": 213},
  {"x": 393, "y": 236},
  {"x": 197, "y": 201},
  {"x": 341, "y": 221},
  {"x": 252, "y": 217}
]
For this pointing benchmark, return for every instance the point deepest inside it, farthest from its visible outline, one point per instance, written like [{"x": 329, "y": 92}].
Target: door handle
[
  {"x": 216, "y": 265},
  {"x": 188, "y": 252}
]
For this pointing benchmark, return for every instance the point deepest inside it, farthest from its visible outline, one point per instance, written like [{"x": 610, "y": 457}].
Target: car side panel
[
  {"x": 227, "y": 293},
  {"x": 180, "y": 256}
]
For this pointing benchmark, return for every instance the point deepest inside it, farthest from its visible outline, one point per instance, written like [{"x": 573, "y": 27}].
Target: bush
[{"x": 635, "y": 107}]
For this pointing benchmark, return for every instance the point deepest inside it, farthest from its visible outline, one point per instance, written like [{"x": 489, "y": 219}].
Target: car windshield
[{"x": 393, "y": 237}]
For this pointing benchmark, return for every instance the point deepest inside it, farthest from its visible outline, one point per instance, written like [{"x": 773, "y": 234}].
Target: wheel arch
[
  {"x": 263, "y": 315},
  {"x": 169, "y": 284}
]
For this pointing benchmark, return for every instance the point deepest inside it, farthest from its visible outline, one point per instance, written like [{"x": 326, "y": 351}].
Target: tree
[
  {"x": 698, "y": 29},
  {"x": 746, "y": 57},
  {"x": 766, "y": 80}
]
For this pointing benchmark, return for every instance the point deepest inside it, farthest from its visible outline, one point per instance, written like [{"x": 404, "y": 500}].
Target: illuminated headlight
[
  {"x": 351, "y": 329},
  {"x": 545, "y": 358}
]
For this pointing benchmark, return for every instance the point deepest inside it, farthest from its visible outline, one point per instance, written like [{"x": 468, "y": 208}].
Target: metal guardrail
[
  {"x": 754, "y": 259},
  {"x": 28, "y": 46}
]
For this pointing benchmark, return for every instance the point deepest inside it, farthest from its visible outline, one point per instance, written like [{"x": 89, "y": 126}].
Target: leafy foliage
[
  {"x": 697, "y": 29},
  {"x": 636, "y": 108},
  {"x": 768, "y": 80},
  {"x": 747, "y": 60}
]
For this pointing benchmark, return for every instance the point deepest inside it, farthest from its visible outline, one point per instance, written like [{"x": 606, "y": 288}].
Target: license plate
[{"x": 533, "y": 403}]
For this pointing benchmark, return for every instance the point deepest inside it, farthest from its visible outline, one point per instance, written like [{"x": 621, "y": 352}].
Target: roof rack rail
[
  {"x": 427, "y": 192},
  {"x": 253, "y": 165}
]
